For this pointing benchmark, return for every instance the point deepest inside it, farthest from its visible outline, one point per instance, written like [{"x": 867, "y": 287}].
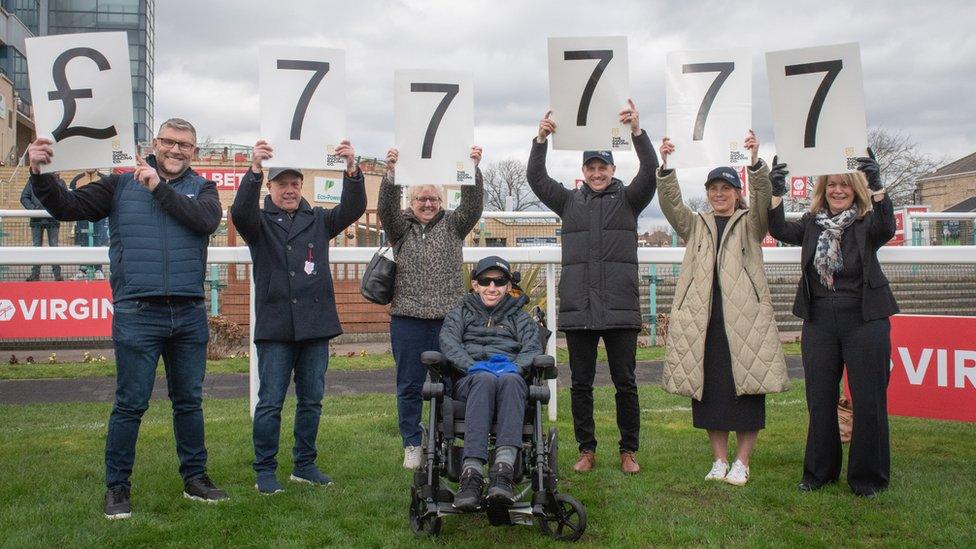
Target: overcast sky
[{"x": 919, "y": 61}]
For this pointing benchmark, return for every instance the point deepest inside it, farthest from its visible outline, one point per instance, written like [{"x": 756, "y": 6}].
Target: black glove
[
  {"x": 871, "y": 170},
  {"x": 777, "y": 177}
]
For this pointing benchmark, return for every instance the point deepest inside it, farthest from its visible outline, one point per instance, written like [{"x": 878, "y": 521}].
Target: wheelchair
[{"x": 537, "y": 499}]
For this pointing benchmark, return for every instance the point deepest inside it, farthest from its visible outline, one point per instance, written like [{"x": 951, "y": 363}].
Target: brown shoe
[
  {"x": 586, "y": 461},
  {"x": 628, "y": 464}
]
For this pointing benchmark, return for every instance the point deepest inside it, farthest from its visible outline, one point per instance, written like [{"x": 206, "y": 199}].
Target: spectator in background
[
  {"x": 29, "y": 200},
  {"x": 89, "y": 233}
]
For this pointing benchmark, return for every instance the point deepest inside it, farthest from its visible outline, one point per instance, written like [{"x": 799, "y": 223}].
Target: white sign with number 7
[
  {"x": 303, "y": 105},
  {"x": 709, "y": 97},
  {"x": 589, "y": 83},
  {"x": 817, "y": 99},
  {"x": 434, "y": 123}
]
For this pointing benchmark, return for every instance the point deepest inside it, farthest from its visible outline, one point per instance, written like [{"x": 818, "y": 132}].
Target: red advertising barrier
[
  {"x": 227, "y": 179},
  {"x": 933, "y": 367},
  {"x": 46, "y": 310}
]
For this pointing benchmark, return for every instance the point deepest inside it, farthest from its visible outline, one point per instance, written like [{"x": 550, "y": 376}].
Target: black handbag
[{"x": 378, "y": 280}]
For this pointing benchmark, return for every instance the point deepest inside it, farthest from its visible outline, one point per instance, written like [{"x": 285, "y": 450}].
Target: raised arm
[
  {"x": 550, "y": 192},
  {"x": 640, "y": 192},
  {"x": 246, "y": 209},
  {"x": 882, "y": 227},
  {"x": 89, "y": 203},
  {"x": 789, "y": 232},
  {"x": 466, "y": 216},
  {"x": 352, "y": 203},
  {"x": 388, "y": 205},
  {"x": 678, "y": 214},
  {"x": 201, "y": 213}
]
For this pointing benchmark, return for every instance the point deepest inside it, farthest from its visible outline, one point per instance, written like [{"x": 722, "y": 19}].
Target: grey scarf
[{"x": 828, "y": 259}]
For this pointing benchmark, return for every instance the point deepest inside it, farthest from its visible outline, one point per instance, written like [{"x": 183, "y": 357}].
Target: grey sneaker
[
  {"x": 117, "y": 503},
  {"x": 201, "y": 488}
]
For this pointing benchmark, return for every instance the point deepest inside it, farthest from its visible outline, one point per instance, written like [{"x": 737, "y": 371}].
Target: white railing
[{"x": 550, "y": 256}]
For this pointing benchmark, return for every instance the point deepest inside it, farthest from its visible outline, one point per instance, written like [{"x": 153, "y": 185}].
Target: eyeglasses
[
  {"x": 170, "y": 143},
  {"x": 427, "y": 199},
  {"x": 486, "y": 281}
]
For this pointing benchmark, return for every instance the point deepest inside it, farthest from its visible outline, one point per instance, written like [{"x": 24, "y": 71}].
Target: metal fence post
[
  {"x": 652, "y": 302},
  {"x": 551, "y": 325}
]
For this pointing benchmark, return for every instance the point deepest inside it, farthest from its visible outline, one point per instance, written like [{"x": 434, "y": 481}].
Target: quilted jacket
[{"x": 758, "y": 365}]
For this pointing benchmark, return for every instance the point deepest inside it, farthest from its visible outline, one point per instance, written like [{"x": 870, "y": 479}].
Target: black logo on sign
[{"x": 67, "y": 95}]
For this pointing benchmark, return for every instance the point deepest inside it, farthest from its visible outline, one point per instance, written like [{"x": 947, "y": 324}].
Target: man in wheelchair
[{"x": 493, "y": 340}]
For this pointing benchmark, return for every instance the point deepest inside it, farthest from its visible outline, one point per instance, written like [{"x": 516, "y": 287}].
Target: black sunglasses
[{"x": 498, "y": 281}]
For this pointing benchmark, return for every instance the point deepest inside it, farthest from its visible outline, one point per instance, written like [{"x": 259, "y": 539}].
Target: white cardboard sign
[
  {"x": 434, "y": 112},
  {"x": 817, "y": 99},
  {"x": 709, "y": 107},
  {"x": 589, "y": 83},
  {"x": 303, "y": 105},
  {"x": 81, "y": 89}
]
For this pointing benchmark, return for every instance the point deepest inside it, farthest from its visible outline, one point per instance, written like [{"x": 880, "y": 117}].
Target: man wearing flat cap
[
  {"x": 598, "y": 286},
  {"x": 294, "y": 303}
]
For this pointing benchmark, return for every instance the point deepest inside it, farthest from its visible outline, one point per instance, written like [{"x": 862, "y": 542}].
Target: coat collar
[
  {"x": 615, "y": 185},
  {"x": 304, "y": 216},
  {"x": 709, "y": 218}
]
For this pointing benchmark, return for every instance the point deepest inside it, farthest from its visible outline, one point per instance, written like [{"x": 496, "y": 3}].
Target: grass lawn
[
  {"x": 52, "y": 490},
  {"x": 379, "y": 361}
]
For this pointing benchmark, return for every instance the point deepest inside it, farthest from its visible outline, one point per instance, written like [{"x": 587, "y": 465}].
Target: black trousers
[
  {"x": 621, "y": 347},
  {"x": 834, "y": 336}
]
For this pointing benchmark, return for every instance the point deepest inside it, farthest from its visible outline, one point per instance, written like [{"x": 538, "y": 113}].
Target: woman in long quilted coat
[{"x": 723, "y": 349}]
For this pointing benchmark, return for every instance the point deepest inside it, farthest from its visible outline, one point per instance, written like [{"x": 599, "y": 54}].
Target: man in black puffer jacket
[
  {"x": 491, "y": 338},
  {"x": 598, "y": 287}
]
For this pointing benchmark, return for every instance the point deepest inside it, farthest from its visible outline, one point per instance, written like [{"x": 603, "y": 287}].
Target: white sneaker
[
  {"x": 719, "y": 469},
  {"x": 412, "y": 456},
  {"x": 99, "y": 275},
  {"x": 738, "y": 475}
]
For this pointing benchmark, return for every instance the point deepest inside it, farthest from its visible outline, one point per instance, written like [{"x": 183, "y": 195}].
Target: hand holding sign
[
  {"x": 476, "y": 153},
  {"x": 631, "y": 117},
  {"x": 817, "y": 99},
  {"x": 347, "y": 153},
  {"x": 261, "y": 152},
  {"x": 547, "y": 127},
  {"x": 391, "y": 159},
  {"x": 751, "y": 144},
  {"x": 667, "y": 149},
  {"x": 588, "y": 82},
  {"x": 80, "y": 89},
  {"x": 777, "y": 177},
  {"x": 39, "y": 153}
]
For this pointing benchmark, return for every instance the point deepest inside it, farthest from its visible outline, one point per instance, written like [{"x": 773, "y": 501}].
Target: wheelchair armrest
[
  {"x": 437, "y": 363},
  {"x": 545, "y": 365}
]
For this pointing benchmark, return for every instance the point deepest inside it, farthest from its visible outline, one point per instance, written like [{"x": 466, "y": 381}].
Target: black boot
[
  {"x": 501, "y": 485},
  {"x": 471, "y": 483}
]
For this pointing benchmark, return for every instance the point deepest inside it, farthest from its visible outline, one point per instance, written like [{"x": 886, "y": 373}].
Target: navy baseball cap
[
  {"x": 492, "y": 262},
  {"x": 605, "y": 156},
  {"x": 725, "y": 174},
  {"x": 273, "y": 173}
]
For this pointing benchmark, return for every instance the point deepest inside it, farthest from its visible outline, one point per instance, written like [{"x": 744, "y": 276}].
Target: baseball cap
[
  {"x": 273, "y": 173},
  {"x": 492, "y": 262},
  {"x": 605, "y": 156},
  {"x": 724, "y": 174}
]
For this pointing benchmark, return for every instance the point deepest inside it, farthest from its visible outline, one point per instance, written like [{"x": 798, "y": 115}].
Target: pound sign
[{"x": 67, "y": 95}]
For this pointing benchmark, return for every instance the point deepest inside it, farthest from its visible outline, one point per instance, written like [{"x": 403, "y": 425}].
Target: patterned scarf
[{"x": 828, "y": 260}]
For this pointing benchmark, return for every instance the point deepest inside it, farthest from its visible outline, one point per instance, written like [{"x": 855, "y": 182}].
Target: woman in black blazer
[{"x": 844, "y": 300}]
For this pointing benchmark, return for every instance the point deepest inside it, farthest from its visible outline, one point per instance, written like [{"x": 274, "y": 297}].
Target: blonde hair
[{"x": 857, "y": 181}]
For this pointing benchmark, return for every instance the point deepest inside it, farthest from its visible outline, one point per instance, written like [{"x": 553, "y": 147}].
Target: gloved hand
[
  {"x": 777, "y": 177},
  {"x": 871, "y": 170},
  {"x": 497, "y": 364}
]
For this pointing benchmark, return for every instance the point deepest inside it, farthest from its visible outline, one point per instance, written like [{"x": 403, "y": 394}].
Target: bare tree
[
  {"x": 698, "y": 203},
  {"x": 902, "y": 163},
  {"x": 505, "y": 182}
]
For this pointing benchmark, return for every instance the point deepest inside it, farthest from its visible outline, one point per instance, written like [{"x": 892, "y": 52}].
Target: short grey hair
[
  {"x": 179, "y": 124},
  {"x": 415, "y": 190}
]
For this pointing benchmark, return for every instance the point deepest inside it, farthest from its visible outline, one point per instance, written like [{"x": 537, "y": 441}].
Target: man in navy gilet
[{"x": 160, "y": 218}]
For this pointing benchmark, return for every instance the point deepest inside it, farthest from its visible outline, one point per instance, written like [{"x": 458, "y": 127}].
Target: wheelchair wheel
[
  {"x": 421, "y": 523},
  {"x": 566, "y": 521}
]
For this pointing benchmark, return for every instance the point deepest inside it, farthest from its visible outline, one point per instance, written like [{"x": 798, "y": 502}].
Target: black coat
[
  {"x": 871, "y": 232},
  {"x": 290, "y": 304},
  {"x": 30, "y": 201},
  {"x": 598, "y": 286}
]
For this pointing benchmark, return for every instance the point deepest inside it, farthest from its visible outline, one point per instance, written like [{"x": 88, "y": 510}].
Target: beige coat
[{"x": 758, "y": 365}]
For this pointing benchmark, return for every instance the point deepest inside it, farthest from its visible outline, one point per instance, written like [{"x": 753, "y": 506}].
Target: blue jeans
[
  {"x": 142, "y": 332},
  {"x": 37, "y": 237},
  {"x": 410, "y": 337},
  {"x": 276, "y": 362},
  {"x": 490, "y": 399}
]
